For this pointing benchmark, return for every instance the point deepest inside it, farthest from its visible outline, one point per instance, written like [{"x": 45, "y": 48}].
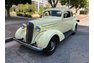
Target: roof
[{"x": 59, "y": 8}]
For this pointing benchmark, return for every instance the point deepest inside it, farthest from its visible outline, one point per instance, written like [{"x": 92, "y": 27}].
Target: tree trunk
[
  {"x": 71, "y": 7},
  {"x": 76, "y": 10},
  {"x": 53, "y": 3},
  {"x": 8, "y": 12}
]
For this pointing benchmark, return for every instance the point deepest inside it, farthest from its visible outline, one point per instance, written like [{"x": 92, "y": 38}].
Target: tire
[
  {"x": 50, "y": 49},
  {"x": 74, "y": 32}
]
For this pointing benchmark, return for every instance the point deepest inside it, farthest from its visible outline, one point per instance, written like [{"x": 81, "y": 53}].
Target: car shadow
[{"x": 23, "y": 49}]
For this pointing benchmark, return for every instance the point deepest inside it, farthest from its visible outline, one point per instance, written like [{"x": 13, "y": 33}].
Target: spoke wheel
[
  {"x": 52, "y": 46},
  {"x": 50, "y": 49}
]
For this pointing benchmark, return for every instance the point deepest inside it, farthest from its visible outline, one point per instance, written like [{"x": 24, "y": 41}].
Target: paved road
[
  {"x": 13, "y": 23},
  {"x": 75, "y": 49},
  {"x": 84, "y": 21}
]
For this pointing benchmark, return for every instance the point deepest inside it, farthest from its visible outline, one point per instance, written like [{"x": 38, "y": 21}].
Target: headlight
[
  {"x": 37, "y": 28},
  {"x": 23, "y": 26}
]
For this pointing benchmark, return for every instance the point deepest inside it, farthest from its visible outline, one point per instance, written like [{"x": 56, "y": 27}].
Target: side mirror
[{"x": 78, "y": 20}]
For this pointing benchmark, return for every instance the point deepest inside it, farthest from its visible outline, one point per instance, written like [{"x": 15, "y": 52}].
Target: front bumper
[{"x": 28, "y": 45}]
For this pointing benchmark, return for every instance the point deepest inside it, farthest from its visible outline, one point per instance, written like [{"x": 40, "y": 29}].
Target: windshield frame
[{"x": 53, "y": 10}]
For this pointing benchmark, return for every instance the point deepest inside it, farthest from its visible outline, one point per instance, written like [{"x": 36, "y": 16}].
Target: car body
[{"x": 45, "y": 33}]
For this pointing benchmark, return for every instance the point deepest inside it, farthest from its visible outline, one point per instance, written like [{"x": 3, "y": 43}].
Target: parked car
[{"x": 45, "y": 33}]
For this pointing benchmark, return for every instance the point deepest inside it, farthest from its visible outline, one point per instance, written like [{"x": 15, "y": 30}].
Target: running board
[{"x": 67, "y": 34}]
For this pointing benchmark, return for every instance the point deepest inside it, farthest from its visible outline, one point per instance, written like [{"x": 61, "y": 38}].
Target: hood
[{"x": 46, "y": 20}]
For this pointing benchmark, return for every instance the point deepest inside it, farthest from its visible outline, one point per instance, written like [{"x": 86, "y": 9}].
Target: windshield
[{"x": 52, "y": 13}]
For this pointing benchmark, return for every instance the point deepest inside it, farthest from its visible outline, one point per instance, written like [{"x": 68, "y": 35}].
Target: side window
[
  {"x": 67, "y": 14},
  {"x": 46, "y": 13}
]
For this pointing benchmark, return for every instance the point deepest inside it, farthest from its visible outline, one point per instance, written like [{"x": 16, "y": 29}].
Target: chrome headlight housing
[
  {"x": 23, "y": 26},
  {"x": 38, "y": 28}
]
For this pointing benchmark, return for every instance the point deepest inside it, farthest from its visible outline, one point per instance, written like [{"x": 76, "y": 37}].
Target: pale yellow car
[{"x": 45, "y": 33}]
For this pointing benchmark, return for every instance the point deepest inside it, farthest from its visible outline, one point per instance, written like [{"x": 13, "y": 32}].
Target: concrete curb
[
  {"x": 8, "y": 39},
  {"x": 22, "y": 17},
  {"x": 18, "y": 17}
]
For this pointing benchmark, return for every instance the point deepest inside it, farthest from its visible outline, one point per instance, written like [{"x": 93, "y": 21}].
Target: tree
[
  {"x": 9, "y": 3},
  {"x": 75, "y": 3},
  {"x": 33, "y": 8},
  {"x": 41, "y": 9},
  {"x": 13, "y": 8},
  {"x": 53, "y": 3},
  {"x": 47, "y": 6},
  {"x": 21, "y": 7}
]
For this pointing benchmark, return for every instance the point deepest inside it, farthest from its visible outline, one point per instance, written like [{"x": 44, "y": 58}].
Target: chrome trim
[
  {"x": 28, "y": 45},
  {"x": 29, "y": 32}
]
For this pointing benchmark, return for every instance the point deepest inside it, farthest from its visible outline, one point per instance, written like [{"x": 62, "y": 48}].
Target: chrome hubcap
[{"x": 52, "y": 46}]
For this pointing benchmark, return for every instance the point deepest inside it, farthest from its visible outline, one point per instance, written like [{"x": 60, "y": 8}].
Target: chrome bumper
[{"x": 28, "y": 45}]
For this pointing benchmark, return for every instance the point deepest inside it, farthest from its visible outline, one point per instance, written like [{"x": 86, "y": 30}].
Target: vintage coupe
[{"x": 45, "y": 33}]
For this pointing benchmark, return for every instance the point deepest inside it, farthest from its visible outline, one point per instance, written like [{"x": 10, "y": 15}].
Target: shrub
[
  {"x": 41, "y": 9},
  {"x": 47, "y": 6},
  {"x": 20, "y": 13},
  {"x": 26, "y": 9},
  {"x": 34, "y": 8},
  {"x": 28, "y": 14},
  {"x": 13, "y": 8}
]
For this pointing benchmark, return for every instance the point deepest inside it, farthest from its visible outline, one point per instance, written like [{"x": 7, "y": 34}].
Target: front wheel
[{"x": 50, "y": 49}]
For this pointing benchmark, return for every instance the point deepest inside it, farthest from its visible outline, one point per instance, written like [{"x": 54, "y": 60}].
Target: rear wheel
[
  {"x": 74, "y": 32},
  {"x": 50, "y": 49}
]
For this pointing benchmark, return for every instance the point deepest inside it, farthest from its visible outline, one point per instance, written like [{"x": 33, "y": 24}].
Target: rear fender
[{"x": 75, "y": 24}]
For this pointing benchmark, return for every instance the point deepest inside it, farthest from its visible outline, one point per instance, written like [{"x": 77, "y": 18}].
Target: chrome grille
[{"x": 29, "y": 32}]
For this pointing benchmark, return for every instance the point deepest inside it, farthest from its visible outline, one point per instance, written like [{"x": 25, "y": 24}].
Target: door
[{"x": 67, "y": 21}]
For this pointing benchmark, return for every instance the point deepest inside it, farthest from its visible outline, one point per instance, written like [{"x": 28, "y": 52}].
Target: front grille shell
[{"x": 29, "y": 32}]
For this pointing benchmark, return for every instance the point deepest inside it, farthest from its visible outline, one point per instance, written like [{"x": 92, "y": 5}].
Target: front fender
[
  {"x": 20, "y": 33},
  {"x": 43, "y": 38}
]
